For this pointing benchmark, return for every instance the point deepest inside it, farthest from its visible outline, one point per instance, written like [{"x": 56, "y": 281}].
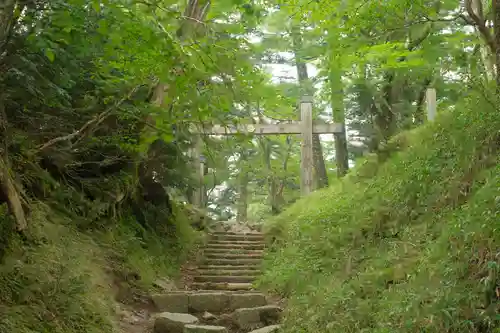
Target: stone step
[
  {"x": 236, "y": 233},
  {"x": 233, "y": 251},
  {"x": 236, "y": 241},
  {"x": 204, "y": 329},
  {"x": 225, "y": 278},
  {"x": 233, "y": 256},
  {"x": 168, "y": 322},
  {"x": 229, "y": 245},
  {"x": 267, "y": 329},
  {"x": 238, "y": 268},
  {"x": 200, "y": 301},
  {"x": 221, "y": 286},
  {"x": 251, "y": 318},
  {"x": 231, "y": 262},
  {"x": 236, "y": 272},
  {"x": 237, "y": 237}
]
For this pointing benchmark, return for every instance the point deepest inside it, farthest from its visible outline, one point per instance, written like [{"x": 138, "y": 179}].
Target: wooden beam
[
  {"x": 266, "y": 129},
  {"x": 306, "y": 161}
]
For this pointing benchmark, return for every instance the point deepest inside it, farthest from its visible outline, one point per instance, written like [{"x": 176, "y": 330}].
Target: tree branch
[
  {"x": 96, "y": 121},
  {"x": 481, "y": 25}
]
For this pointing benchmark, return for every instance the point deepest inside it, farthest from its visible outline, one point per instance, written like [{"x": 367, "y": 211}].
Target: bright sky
[{"x": 285, "y": 72}]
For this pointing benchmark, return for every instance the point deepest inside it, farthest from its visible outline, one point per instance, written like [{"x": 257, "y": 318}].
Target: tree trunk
[
  {"x": 320, "y": 176},
  {"x": 6, "y": 18},
  {"x": 11, "y": 194},
  {"x": 496, "y": 25},
  {"x": 337, "y": 104},
  {"x": 193, "y": 26},
  {"x": 10, "y": 191},
  {"x": 386, "y": 117},
  {"x": 419, "y": 114},
  {"x": 272, "y": 185},
  {"x": 487, "y": 55},
  {"x": 195, "y": 13},
  {"x": 242, "y": 209}
]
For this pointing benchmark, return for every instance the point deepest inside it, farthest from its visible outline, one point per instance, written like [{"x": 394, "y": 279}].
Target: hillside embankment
[
  {"x": 58, "y": 278},
  {"x": 407, "y": 242}
]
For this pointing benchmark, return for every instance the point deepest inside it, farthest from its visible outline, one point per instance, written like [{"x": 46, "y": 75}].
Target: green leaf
[
  {"x": 97, "y": 6},
  {"x": 49, "y": 53}
]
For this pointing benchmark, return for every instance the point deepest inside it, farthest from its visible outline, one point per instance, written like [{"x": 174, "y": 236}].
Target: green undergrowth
[
  {"x": 57, "y": 279},
  {"x": 409, "y": 243}
]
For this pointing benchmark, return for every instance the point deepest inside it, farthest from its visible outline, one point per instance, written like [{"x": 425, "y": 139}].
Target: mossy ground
[
  {"x": 410, "y": 244},
  {"x": 61, "y": 280}
]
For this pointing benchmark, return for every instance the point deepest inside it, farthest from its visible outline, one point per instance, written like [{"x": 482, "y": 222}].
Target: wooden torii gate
[{"x": 306, "y": 127}]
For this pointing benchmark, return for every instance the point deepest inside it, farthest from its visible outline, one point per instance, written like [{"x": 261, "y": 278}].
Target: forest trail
[{"x": 220, "y": 296}]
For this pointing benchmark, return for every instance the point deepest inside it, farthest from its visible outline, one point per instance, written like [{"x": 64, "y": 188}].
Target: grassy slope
[
  {"x": 64, "y": 281},
  {"x": 403, "y": 246}
]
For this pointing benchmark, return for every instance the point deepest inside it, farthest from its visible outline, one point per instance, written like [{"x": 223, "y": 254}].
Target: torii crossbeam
[{"x": 306, "y": 127}]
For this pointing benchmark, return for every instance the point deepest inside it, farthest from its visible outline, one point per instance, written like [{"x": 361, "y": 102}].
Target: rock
[
  {"x": 246, "y": 318},
  {"x": 225, "y": 319},
  {"x": 168, "y": 322},
  {"x": 164, "y": 284},
  {"x": 251, "y": 318},
  {"x": 171, "y": 302},
  {"x": 270, "y": 314},
  {"x": 212, "y": 302},
  {"x": 267, "y": 329},
  {"x": 208, "y": 316},
  {"x": 204, "y": 329},
  {"x": 246, "y": 300}
]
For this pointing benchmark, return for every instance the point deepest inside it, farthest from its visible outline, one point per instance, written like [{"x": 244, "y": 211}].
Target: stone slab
[
  {"x": 168, "y": 322},
  {"x": 171, "y": 302},
  {"x": 211, "y": 302},
  {"x": 251, "y": 318},
  {"x": 267, "y": 329},
  {"x": 246, "y": 300},
  {"x": 222, "y": 286},
  {"x": 204, "y": 329}
]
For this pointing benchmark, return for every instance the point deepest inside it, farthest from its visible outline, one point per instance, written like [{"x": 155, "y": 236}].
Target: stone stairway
[
  {"x": 221, "y": 298},
  {"x": 231, "y": 261}
]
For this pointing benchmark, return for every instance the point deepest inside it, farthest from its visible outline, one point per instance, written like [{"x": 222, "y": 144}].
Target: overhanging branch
[{"x": 89, "y": 125}]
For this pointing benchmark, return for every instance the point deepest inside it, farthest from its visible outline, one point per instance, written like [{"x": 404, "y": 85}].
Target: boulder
[
  {"x": 168, "y": 322},
  {"x": 213, "y": 302},
  {"x": 204, "y": 329},
  {"x": 251, "y": 318},
  {"x": 171, "y": 302}
]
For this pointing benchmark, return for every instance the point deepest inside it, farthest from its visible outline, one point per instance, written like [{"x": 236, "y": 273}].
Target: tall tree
[{"x": 321, "y": 177}]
